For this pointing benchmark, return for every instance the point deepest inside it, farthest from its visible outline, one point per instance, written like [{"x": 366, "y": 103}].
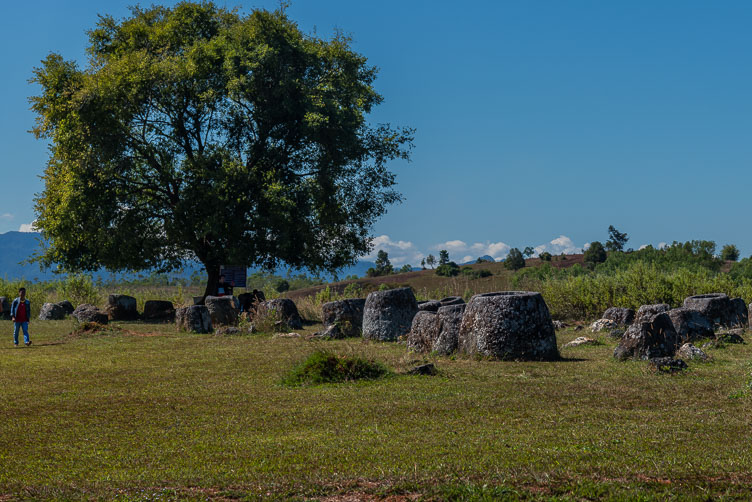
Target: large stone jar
[
  {"x": 122, "y": 308},
  {"x": 389, "y": 314},
  {"x": 508, "y": 325},
  {"x": 284, "y": 308},
  {"x": 194, "y": 318},
  {"x": 450, "y": 321},
  {"x": 347, "y": 315},
  {"x": 714, "y": 306},
  {"x": 222, "y": 310}
]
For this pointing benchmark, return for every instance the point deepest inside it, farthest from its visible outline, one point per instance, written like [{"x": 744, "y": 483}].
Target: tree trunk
[{"x": 212, "y": 281}]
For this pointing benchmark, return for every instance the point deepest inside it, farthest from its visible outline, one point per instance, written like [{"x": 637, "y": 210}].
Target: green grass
[{"x": 146, "y": 413}]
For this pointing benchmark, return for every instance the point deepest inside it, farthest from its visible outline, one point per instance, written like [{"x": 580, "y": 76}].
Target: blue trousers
[{"x": 25, "y": 326}]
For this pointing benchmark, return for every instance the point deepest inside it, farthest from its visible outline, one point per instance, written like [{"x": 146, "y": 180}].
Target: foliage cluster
[
  {"x": 326, "y": 367},
  {"x": 514, "y": 260},
  {"x": 472, "y": 273},
  {"x": 198, "y": 132},
  {"x": 595, "y": 254},
  {"x": 448, "y": 269},
  {"x": 578, "y": 294},
  {"x": 692, "y": 255},
  {"x": 630, "y": 279},
  {"x": 729, "y": 253},
  {"x": 616, "y": 240},
  {"x": 382, "y": 265}
]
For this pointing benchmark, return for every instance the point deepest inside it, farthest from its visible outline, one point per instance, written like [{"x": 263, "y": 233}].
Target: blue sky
[{"x": 538, "y": 123}]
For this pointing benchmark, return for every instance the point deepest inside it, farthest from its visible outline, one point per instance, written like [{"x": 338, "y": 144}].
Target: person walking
[{"x": 20, "y": 313}]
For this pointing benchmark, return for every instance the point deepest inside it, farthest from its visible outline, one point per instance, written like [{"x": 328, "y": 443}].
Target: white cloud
[
  {"x": 400, "y": 252},
  {"x": 562, "y": 244},
  {"x": 498, "y": 250},
  {"x": 6, "y": 216},
  {"x": 27, "y": 227},
  {"x": 660, "y": 245}
]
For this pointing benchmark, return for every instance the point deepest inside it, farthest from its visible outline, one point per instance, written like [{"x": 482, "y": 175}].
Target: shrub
[
  {"x": 514, "y": 260},
  {"x": 545, "y": 256},
  {"x": 693, "y": 255},
  {"x": 729, "y": 253},
  {"x": 78, "y": 289},
  {"x": 325, "y": 367},
  {"x": 282, "y": 286},
  {"x": 448, "y": 269},
  {"x": 476, "y": 274},
  {"x": 741, "y": 269},
  {"x": 595, "y": 254}
]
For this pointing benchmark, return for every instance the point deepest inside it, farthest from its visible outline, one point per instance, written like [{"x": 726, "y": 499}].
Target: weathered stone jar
[
  {"x": 222, "y": 310},
  {"x": 122, "y": 308},
  {"x": 389, "y": 314},
  {"x": 508, "y": 325},
  {"x": 195, "y": 318},
  {"x": 347, "y": 315},
  {"x": 284, "y": 308}
]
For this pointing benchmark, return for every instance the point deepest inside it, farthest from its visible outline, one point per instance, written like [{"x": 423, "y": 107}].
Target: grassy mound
[{"x": 324, "y": 367}]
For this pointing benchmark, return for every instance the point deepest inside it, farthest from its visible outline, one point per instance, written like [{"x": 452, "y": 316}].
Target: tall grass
[{"x": 586, "y": 296}]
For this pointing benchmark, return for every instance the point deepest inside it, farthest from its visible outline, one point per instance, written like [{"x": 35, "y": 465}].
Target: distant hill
[
  {"x": 485, "y": 257},
  {"x": 17, "y": 247}
]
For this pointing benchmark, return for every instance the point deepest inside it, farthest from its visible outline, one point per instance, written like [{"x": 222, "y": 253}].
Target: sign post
[{"x": 234, "y": 275}]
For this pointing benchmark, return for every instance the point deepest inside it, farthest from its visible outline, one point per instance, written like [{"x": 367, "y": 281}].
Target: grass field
[{"x": 143, "y": 412}]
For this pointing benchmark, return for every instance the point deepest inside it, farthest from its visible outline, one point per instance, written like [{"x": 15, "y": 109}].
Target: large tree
[{"x": 198, "y": 133}]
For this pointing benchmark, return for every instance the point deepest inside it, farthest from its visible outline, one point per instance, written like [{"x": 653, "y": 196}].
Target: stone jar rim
[{"x": 708, "y": 295}]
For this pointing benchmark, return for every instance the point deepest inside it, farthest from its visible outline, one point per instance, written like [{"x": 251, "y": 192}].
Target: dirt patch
[{"x": 93, "y": 328}]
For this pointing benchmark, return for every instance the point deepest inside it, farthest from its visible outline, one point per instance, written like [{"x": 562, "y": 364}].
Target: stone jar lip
[
  {"x": 455, "y": 300},
  {"x": 520, "y": 294},
  {"x": 390, "y": 291},
  {"x": 708, "y": 295},
  {"x": 452, "y": 308}
]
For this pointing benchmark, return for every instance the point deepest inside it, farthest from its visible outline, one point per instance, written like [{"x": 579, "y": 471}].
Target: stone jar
[
  {"x": 347, "y": 315},
  {"x": 222, "y": 310},
  {"x": 285, "y": 309},
  {"x": 389, "y": 314},
  {"x": 159, "y": 311},
  {"x": 122, "y": 308},
  {"x": 89, "y": 313},
  {"x": 508, "y": 325},
  {"x": 194, "y": 318}
]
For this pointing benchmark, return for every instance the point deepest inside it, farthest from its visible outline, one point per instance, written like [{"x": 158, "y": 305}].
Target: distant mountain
[
  {"x": 484, "y": 258},
  {"x": 17, "y": 247}
]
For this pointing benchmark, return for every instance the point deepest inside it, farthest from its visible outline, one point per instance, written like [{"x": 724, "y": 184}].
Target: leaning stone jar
[{"x": 508, "y": 325}]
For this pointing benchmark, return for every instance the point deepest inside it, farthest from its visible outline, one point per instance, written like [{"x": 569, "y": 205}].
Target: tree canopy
[
  {"x": 443, "y": 257},
  {"x": 595, "y": 254},
  {"x": 616, "y": 240},
  {"x": 514, "y": 260},
  {"x": 198, "y": 133},
  {"x": 730, "y": 252}
]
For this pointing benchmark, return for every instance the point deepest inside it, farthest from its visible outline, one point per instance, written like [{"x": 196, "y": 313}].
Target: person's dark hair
[{"x": 21, "y": 289}]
